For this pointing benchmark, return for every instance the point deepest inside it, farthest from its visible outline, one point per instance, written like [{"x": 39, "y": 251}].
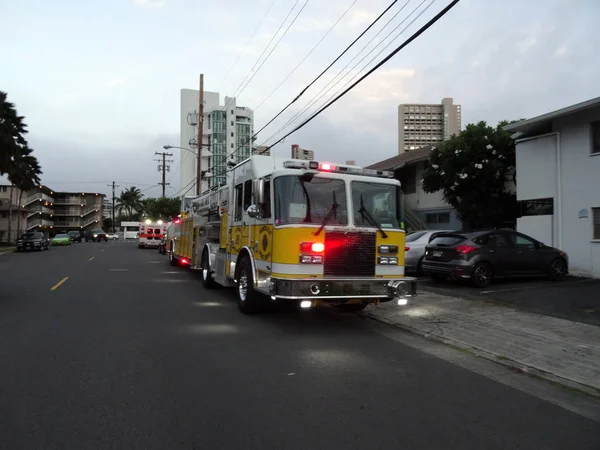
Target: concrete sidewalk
[{"x": 556, "y": 349}]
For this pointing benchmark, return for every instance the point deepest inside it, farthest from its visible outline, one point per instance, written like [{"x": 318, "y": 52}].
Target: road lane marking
[
  {"x": 118, "y": 270},
  {"x": 102, "y": 250},
  {"x": 57, "y": 285},
  {"x": 91, "y": 258}
]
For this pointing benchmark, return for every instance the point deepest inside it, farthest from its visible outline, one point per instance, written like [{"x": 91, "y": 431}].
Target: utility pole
[
  {"x": 164, "y": 169},
  {"x": 112, "y": 220},
  {"x": 200, "y": 136}
]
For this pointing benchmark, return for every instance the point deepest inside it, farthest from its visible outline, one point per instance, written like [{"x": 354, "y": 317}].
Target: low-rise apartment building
[{"x": 52, "y": 211}]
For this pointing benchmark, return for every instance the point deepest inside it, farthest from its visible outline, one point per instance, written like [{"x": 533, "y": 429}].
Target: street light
[
  {"x": 167, "y": 147},
  {"x": 200, "y": 174}
]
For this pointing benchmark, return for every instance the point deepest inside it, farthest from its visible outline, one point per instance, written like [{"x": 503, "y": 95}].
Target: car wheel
[
  {"x": 482, "y": 275},
  {"x": 249, "y": 301},
  {"x": 420, "y": 266},
  {"x": 558, "y": 269}
]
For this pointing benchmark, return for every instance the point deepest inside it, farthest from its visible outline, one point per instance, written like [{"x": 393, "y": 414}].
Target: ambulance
[
  {"x": 151, "y": 233},
  {"x": 285, "y": 230}
]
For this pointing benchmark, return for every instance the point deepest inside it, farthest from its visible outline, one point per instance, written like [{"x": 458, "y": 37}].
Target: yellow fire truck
[{"x": 290, "y": 230}]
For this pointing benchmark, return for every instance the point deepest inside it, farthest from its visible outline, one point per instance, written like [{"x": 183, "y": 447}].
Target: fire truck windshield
[
  {"x": 309, "y": 200},
  {"x": 381, "y": 201}
]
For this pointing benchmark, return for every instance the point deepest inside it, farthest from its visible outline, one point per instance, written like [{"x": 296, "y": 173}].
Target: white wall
[
  {"x": 578, "y": 189},
  {"x": 421, "y": 199}
]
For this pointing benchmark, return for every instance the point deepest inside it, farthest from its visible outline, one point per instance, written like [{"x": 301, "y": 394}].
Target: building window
[
  {"x": 232, "y": 111},
  {"x": 537, "y": 207},
  {"x": 595, "y": 137},
  {"x": 596, "y": 223},
  {"x": 232, "y": 134},
  {"x": 436, "y": 218},
  {"x": 409, "y": 179},
  {"x": 232, "y": 145}
]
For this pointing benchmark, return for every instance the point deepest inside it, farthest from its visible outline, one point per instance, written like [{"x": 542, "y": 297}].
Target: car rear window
[
  {"x": 448, "y": 240},
  {"x": 414, "y": 236}
]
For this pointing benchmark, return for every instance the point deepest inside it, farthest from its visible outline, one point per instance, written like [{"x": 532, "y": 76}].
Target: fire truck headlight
[{"x": 148, "y": 221}]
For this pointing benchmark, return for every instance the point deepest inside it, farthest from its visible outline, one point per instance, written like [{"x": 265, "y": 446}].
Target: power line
[
  {"x": 249, "y": 40},
  {"x": 377, "y": 66},
  {"x": 254, "y": 72},
  {"x": 321, "y": 74},
  {"x": 318, "y": 97},
  {"x": 308, "y": 54}
]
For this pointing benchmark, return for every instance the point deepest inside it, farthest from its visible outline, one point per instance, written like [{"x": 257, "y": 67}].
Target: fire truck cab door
[{"x": 239, "y": 232}]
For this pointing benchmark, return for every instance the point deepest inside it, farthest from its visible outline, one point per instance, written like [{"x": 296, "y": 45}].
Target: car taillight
[
  {"x": 465, "y": 249},
  {"x": 406, "y": 249},
  {"x": 184, "y": 261},
  {"x": 312, "y": 247}
]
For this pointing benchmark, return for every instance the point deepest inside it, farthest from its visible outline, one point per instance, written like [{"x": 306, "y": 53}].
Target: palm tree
[
  {"x": 130, "y": 201},
  {"x": 12, "y": 130}
]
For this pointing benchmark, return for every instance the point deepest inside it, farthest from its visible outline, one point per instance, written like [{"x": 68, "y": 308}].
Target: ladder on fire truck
[{"x": 211, "y": 201}]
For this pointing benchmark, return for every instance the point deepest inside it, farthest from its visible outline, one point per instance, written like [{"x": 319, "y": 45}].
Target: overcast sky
[{"x": 99, "y": 82}]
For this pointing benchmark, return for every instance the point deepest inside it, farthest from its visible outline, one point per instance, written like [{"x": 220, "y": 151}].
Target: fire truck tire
[
  {"x": 249, "y": 301},
  {"x": 207, "y": 279}
]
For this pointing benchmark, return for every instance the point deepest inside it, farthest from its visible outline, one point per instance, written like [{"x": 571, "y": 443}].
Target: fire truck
[
  {"x": 151, "y": 233},
  {"x": 314, "y": 233}
]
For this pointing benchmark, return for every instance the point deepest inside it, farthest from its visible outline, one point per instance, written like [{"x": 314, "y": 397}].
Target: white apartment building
[
  {"x": 558, "y": 182},
  {"x": 420, "y": 125},
  {"x": 227, "y": 131}
]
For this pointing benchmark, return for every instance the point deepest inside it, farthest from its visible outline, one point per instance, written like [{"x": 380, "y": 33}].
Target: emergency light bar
[{"x": 332, "y": 168}]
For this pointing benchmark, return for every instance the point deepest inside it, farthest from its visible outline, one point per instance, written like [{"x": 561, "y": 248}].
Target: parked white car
[
  {"x": 414, "y": 249},
  {"x": 112, "y": 236}
]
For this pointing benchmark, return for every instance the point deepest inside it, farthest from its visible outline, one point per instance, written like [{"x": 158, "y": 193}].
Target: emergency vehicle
[
  {"x": 151, "y": 233},
  {"x": 313, "y": 233}
]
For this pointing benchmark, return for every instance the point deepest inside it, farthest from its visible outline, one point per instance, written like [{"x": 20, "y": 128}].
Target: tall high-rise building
[
  {"x": 300, "y": 153},
  {"x": 426, "y": 124},
  {"x": 227, "y": 131}
]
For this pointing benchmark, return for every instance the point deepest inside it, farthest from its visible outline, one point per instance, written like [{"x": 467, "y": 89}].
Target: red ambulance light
[{"x": 327, "y": 167}]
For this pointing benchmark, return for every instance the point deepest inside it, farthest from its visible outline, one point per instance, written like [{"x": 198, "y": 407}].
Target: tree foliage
[
  {"x": 163, "y": 208},
  {"x": 16, "y": 157},
  {"x": 475, "y": 170},
  {"x": 130, "y": 202}
]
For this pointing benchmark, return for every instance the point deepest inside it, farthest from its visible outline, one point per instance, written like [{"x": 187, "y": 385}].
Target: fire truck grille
[{"x": 349, "y": 254}]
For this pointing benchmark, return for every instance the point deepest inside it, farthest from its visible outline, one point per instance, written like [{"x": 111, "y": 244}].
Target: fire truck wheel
[
  {"x": 249, "y": 301},
  {"x": 207, "y": 279}
]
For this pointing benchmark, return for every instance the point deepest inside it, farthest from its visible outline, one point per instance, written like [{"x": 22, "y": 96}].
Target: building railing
[
  {"x": 38, "y": 223},
  {"x": 68, "y": 201},
  {"x": 38, "y": 197},
  {"x": 39, "y": 210}
]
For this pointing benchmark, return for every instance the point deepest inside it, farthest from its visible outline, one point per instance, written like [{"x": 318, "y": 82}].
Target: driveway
[{"x": 576, "y": 299}]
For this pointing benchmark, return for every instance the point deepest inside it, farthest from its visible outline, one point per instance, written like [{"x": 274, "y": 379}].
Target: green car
[{"x": 61, "y": 239}]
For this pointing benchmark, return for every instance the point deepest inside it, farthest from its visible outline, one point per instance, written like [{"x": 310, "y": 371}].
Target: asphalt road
[
  {"x": 573, "y": 298},
  {"x": 129, "y": 352}
]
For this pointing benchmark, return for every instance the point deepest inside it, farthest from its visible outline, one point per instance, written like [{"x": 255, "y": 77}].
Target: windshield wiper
[
  {"x": 332, "y": 210},
  {"x": 364, "y": 212}
]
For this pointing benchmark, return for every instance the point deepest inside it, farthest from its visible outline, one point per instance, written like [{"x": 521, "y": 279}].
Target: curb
[{"x": 533, "y": 371}]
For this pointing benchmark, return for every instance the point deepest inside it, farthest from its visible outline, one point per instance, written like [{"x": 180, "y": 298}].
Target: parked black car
[
  {"x": 480, "y": 256},
  {"x": 75, "y": 236},
  {"x": 33, "y": 240}
]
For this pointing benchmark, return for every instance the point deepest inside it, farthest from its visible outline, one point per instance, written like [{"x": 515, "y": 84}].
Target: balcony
[
  {"x": 68, "y": 223},
  {"x": 89, "y": 211},
  {"x": 88, "y": 221},
  {"x": 39, "y": 223},
  {"x": 39, "y": 210},
  {"x": 69, "y": 201},
  {"x": 39, "y": 197},
  {"x": 67, "y": 212}
]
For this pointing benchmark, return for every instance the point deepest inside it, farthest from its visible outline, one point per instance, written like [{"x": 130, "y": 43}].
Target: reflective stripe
[
  {"x": 389, "y": 270},
  {"x": 299, "y": 269}
]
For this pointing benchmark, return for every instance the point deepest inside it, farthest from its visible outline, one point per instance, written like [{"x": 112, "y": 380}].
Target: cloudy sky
[{"x": 99, "y": 82}]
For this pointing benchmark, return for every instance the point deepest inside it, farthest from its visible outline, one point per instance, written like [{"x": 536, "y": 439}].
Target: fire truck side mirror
[
  {"x": 258, "y": 190},
  {"x": 253, "y": 211}
]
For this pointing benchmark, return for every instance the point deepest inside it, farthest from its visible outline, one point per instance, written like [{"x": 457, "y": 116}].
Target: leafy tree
[
  {"x": 475, "y": 170},
  {"x": 16, "y": 157},
  {"x": 161, "y": 208},
  {"x": 107, "y": 224},
  {"x": 130, "y": 201}
]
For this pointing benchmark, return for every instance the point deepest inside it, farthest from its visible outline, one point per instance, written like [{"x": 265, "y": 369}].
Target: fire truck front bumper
[{"x": 342, "y": 290}]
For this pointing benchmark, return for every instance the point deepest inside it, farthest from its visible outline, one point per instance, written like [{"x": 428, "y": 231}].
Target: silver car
[{"x": 415, "y": 248}]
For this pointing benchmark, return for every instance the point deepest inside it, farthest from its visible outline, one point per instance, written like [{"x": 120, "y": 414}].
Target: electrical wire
[
  {"x": 254, "y": 72},
  {"x": 308, "y": 54},
  {"x": 420, "y": 31},
  {"x": 249, "y": 40},
  {"x": 327, "y": 87},
  {"x": 322, "y": 72}
]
